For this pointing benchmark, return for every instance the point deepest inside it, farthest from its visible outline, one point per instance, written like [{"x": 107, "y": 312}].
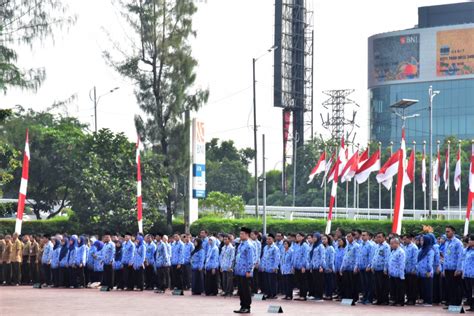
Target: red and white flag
[
  {"x": 327, "y": 169},
  {"x": 388, "y": 170},
  {"x": 470, "y": 194},
  {"x": 402, "y": 178},
  {"x": 350, "y": 168},
  {"x": 372, "y": 164},
  {"x": 446, "y": 171},
  {"x": 363, "y": 158},
  {"x": 410, "y": 171},
  {"x": 436, "y": 177},
  {"x": 320, "y": 167},
  {"x": 139, "y": 188},
  {"x": 423, "y": 171},
  {"x": 334, "y": 186},
  {"x": 457, "y": 172},
  {"x": 23, "y": 187}
]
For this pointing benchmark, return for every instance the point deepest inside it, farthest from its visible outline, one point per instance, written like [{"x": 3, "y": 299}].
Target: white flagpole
[
  {"x": 325, "y": 181},
  {"x": 424, "y": 192},
  {"x": 391, "y": 195},
  {"x": 437, "y": 171},
  {"x": 368, "y": 182},
  {"x": 460, "y": 186},
  {"x": 380, "y": 186},
  {"x": 447, "y": 175},
  {"x": 414, "y": 177}
]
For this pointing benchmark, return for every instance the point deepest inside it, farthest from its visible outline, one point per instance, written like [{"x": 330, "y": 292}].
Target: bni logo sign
[{"x": 408, "y": 39}]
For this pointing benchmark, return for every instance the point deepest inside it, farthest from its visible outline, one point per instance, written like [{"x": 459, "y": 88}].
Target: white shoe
[{"x": 428, "y": 305}]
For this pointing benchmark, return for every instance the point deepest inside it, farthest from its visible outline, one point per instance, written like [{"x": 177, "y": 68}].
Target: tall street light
[
  {"x": 254, "y": 60},
  {"x": 94, "y": 98},
  {"x": 431, "y": 93}
]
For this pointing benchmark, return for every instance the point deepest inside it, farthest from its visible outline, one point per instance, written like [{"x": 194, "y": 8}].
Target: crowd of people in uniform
[{"x": 369, "y": 268}]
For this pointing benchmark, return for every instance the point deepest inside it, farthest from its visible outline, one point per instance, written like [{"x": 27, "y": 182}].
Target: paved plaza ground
[{"x": 24, "y": 300}]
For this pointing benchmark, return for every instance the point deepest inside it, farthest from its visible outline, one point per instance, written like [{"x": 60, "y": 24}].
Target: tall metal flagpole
[
  {"x": 460, "y": 211},
  {"x": 431, "y": 94},
  {"x": 368, "y": 181},
  {"x": 355, "y": 192},
  {"x": 325, "y": 182},
  {"x": 264, "y": 178},
  {"x": 414, "y": 173},
  {"x": 391, "y": 195},
  {"x": 447, "y": 176},
  {"x": 437, "y": 202},
  {"x": 424, "y": 191},
  {"x": 380, "y": 186}
]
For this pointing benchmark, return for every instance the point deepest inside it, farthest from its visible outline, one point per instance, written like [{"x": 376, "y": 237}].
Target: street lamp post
[
  {"x": 431, "y": 93},
  {"x": 96, "y": 99},
  {"x": 254, "y": 84}
]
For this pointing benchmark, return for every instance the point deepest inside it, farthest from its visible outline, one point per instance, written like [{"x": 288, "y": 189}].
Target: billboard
[
  {"x": 396, "y": 58},
  {"x": 199, "y": 160},
  {"x": 455, "y": 52}
]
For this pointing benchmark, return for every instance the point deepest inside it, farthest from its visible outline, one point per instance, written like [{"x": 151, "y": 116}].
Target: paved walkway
[{"x": 28, "y": 301}]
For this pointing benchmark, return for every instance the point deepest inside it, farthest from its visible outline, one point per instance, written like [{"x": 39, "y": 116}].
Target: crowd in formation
[{"x": 367, "y": 268}]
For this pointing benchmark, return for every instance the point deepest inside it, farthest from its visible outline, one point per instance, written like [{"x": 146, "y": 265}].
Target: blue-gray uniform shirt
[
  {"x": 453, "y": 254},
  {"x": 396, "y": 264},
  {"x": 411, "y": 258},
  {"x": 244, "y": 259},
  {"x": 381, "y": 256},
  {"x": 350, "y": 256}
]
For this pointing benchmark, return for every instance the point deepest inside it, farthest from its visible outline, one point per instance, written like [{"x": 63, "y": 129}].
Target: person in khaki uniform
[
  {"x": 6, "y": 266},
  {"x": 2, "y": 248},
  {"x": 15, "y": 259},
  {"x": 34, "y": 249},
  {"x": 25, "y": 260}
]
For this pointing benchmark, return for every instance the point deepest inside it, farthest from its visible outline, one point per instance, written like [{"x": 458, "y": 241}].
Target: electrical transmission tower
[{"x": 336, "y": 122}]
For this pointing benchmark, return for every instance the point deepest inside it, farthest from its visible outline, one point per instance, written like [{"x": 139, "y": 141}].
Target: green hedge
[
  {"x": 63, "y": 225},
  {"x": 217, "y": 225}
]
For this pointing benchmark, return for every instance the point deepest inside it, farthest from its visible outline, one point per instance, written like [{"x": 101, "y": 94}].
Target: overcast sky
[{"x": 229, "y": 34}]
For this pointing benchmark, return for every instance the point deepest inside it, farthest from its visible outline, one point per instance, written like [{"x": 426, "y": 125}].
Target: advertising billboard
[
  {"x": 455, "y": 52},
  {"x": 199, "y": 160},
  {"x": 396, "y": 58}
]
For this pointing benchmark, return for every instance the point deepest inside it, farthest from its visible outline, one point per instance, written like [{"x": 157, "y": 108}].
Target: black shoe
[
  {"x": 242, "y": 311},
  {"x": 470, "y": 310}
]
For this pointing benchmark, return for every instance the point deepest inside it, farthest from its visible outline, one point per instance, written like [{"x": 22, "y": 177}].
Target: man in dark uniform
[{"x": 243, "y": 270}]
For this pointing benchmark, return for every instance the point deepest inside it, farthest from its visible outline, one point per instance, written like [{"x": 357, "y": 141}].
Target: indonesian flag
[
  {"x": 388, "y": 170},
  {"x": 342, "y": 162},
  {"x": 470, "y": 194},
  {"x": 23, "y": 186},
  {"x": 327, "y": 169},
  {"x": 372, "y": 164},
  {"x": 399, "y": 192},
  {"x": 139, "y": 187},
  {"x": 446, "y": 171},
  {"x": 436, "y": 177},
  {"x": 350, "y": 168},
  {"x": 410, "y": 171},
  {"x": 320, "y": 167},
  {"x": 457, "y": 172},
  {"x": 363, "y": 158},
  {"x": 423, "y": 172},
  {"x": 334, "y": 186}
]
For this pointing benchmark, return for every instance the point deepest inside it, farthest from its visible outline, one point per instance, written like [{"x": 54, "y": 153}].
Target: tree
[
  {"x": 223, "y": 204},
  {"x": 161, "y": 64},
  {"x": 22, "y": 22}
]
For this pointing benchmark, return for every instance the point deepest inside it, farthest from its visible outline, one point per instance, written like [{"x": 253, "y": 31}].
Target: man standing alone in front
[{"x": 244, "y": 265}]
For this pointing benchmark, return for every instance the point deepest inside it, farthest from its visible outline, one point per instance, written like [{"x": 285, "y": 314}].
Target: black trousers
[
  {"x": 329, "y": 278},
  {"x": 118, "y": 279},
  {"x": 72, "y": 277},
  {"x": 46, "y": 274},
  {"x": 470, "y": 291},
  {"x": 318, "y": 283},
  {"x": 437, "y": 282},
  {"x": 108, "y": 279},
  {"x": 16, "y": 272},
  {"x": 34, "y": 271},
  {"x": 244, "y": 292},
  {"x": 254, "y": 281},
  {"x": 177, "y": 277},
  {"x": 397, "y": 290},
  {"x": 381, "y": 287},
  {"x": 128, "y": 276},
  {"x": 211, "y": 282},
  {"x": 301, "y": 282},
  {"x": 197, "y": 286},
  {"x": 63, "y": 277},
  {"x": 162, "y": 276},
  {"x": 453, "y": 288},
  {"x": 80, "y": 277},
  {"x": 228, "y": 282},
  {"x": 138, "y": 277},
  {"x": 367, "y": 287},
  {"x": 427, "y": 290},
  {"x": 149, "y": 277},
  {"x": 25, "y": 271},
  {"x": 287, "y": 284},
  {"x": 187, "y": 275},
  {"x": 7, "y": 273},
  {"x": 55, "y": 274},
  {"x": 350, "y": 285},
  {"x": 270, "y": 283},
  {"x": 411, "y": 287}
]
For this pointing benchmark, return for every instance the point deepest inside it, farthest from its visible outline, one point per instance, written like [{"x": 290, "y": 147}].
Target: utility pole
[
  {"x": 431, "y": 95},
  {"x": 255, "y": 135}
]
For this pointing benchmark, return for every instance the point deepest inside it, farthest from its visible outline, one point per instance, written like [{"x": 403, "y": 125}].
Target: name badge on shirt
[{"x": 381, "y": 253}]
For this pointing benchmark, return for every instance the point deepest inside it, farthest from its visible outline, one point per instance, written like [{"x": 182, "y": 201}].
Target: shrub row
[{"x": 216, "y": 225}]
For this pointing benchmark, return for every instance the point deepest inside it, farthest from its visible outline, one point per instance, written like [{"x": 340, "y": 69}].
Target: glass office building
[{"x": 404, "y": 64}]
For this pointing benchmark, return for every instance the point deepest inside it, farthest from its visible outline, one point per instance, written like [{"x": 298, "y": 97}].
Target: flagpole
[
  {"x": 437, "y": 171},
  {"x": 414, "y": 177},
  {"x": 391, "y": 195},
  {"x": 424, "y": 191},
  {"x": 460, "y": 208},
  {"x": 325, "y": 181},
  {"x": 447, "y": 175},
  {"x": 380, "y": 186},
  {"x": 355, "y": 191},
  {"x": 368, "y": 182}
]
